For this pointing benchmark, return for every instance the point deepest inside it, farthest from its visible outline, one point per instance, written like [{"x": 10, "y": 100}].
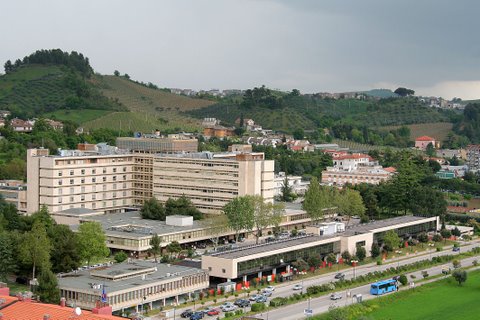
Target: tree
[
  {"x": 91, "y": 241},
  {"x": 264, "y": 214},
  {"x": 153, "y": 209},
  {"x": 403, "y": 279},
  {"x": 240, "y": 215},
  {"x": 8, "y": 66},
  {"x": 121, "y": 256},
  {"x": 428, "y": 202},
  {"x": 460, "y": 276},
  {"x": 350, "y": 203},
  {"x": 35, "y": 248},
  {"x": 155, "y": 244},
  {"x": 361, "y": 253},
  {"x": 314, "y": 261},
  {"x": 446, "y": 234},
  {"x": 217, "y": 226},
  {"x": 174, "y": 247},
  {"x": 331, "y": 258},
  {"x": 456, "y": 232},
  {"x": 48, "y": 287},
  {"x": 391, "y": 240},
  {"x": 298, "y": 134},
  {"x": 182, "y": 206},
  {"x": 422, "y": 237},
  {"x": 300, "y": 264},
  {"x": 7, "y": 258},
  {"x": 375, "y": 251},
  {"x": 430, "y": 150},
  {"x": 403, "y": 92},
  {"x": 64, "y": 254},
  {"x": 456, "y": 263},
  {"x": 316, "y": 199},
  {"x": 116, "y": 73},
  {"x": 286, "y": 192}
]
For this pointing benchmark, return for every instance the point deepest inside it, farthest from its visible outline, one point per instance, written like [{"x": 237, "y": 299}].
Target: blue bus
[{"x": 384, "y": 286}]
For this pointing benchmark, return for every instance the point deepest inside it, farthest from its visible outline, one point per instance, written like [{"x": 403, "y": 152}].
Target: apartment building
[
  {"x": 99, "y": 178},
  {"x": 108, "y": 179},
  {"x": 473, "y": 157},
  {"x": 14, "y": 192},
  {"x": 333, "y": 176},
  {"x": 211, "y": 180}
]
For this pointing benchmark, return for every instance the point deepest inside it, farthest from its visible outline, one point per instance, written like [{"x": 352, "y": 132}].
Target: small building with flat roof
[{"x": 132, "y": 285}]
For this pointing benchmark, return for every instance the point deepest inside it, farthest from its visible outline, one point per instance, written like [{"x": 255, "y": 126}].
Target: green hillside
[
  {"x": 310, "y": 112},
  {"x": 148, "y": 108}
]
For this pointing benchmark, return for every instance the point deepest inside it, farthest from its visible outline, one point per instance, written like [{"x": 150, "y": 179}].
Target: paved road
[
  {"x": 286, "y": 289},
  {"x": 322, "y": 304}
]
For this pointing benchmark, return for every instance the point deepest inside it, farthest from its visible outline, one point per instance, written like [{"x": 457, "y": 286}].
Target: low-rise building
[
  {"x": 14, "y": 192},
  {"x": 372, "y": 175},
  {"x": 271, "y": 258},
  {"x": 298, "y": 186},
  {"x": 423, "y": 141},
  {"x": 132, "y": 285}
]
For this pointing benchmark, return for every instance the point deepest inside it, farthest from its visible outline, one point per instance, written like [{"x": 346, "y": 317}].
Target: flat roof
[
  {"x": 124, "y": 276},
  {"x": 243, "y": 251},
  {"x": 378, "y": 224},
  {"x": 132, "y": 225}
]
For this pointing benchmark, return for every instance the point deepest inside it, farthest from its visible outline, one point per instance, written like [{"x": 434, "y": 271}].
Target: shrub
[
  {"x": 120, "y": 256},
  {"x": 379, "y": 262},
  {"x": 346, "y": 256},
  {"x": 279, "y": 301},
  {"x": 437, "y": 238},
  {"x": 422, "y": 237},
  {"x": 439, "y": 249},
  {"x": 403, "y": 279},
  {"x": 375, "y": 250},
  {"x": 361, "y": 253},
  {"x": 456, "y": 263},
  {"x": 425, "y": 274},
  {"x": 475, "y": 262}
]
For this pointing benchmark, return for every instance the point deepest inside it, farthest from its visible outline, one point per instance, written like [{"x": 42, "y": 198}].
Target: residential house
[{"x": 423, "y": 141}]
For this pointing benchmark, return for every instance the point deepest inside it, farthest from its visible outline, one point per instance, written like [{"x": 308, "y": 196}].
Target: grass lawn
[
  {"x": 78, "y": 116},
  {"x": 443, "y": 300}
]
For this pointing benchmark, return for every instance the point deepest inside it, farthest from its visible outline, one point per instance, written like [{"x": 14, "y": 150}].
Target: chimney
[
  {"x": 62, "y": 302},
  {"x": 46, "y": 317},
  {"x": 4, "y": 289},
  {"x": 1, "y": 316}
]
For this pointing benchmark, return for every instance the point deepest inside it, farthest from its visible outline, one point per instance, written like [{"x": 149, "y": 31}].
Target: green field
[
  {"x": 438, "y": 130},
  {"x": 439, "y": 300},
  {"x": 77, "y": 116}
]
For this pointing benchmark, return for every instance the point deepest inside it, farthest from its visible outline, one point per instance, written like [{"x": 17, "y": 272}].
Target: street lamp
[{"x": 354, "y": 264}]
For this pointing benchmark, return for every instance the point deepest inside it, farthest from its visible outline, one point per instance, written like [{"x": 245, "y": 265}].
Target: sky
[{"x": 430, "y": 46}]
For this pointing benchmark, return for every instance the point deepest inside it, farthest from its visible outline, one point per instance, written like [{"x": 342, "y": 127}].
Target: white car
[
  {"x": 228, "y": 308},
  {"x": 270, "y": 288},
  {"x": 335, "y": 296},
  {"x": 297, "y": 287}
]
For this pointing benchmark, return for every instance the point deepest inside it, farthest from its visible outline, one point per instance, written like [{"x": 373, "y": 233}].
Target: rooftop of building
[
  {"x": 130, "y": 224},
  {"x": 124, "y": 276},
  {"x": 13, "y": 308},
  {"x": 379, "y": 224},
  {"x": 78, "y": 212},
  {"x": 247, "y": 250},
  {"x": 424, "y": 138}
]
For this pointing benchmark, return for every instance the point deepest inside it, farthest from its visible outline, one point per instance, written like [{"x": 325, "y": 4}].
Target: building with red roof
[
  {"x": 423, "y": 141},
  {"x": 23, "y": 307}
]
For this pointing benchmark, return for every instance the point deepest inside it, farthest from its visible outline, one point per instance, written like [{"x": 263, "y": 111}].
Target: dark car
[
  {"x": 242, "y": 303},
  {"x": 196, "y": 316},
  {"x": 456, "y": 249},
  {"x": 340, "y": 276},
  {"x": 187, "y": 313}
]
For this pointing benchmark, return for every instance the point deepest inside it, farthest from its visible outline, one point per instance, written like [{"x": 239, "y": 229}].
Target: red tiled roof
[
  {"x": 28, "y": 310},
  {"x": 425, "y": 138},
  {"x": 390, "y": 169}
]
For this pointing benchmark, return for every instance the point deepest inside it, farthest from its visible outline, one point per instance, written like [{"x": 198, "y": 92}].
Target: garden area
[{"x": 444, "y": 299}]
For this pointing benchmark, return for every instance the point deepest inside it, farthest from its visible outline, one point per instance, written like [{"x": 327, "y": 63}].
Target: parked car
[
  {"x": 297, "y": 287},
  {"x": 261, "y": 299},
  {"x": 254, "y": 297},
  {"x": 228, "y": 308},
  {"x": 267, "y": 293},
  {"x": 456, "y": 249},
  {"x": 196, "y": 315},
  {"x": 340, "y": 276},
  {"x": 213, "y": 312},
  {"x": 187, "y": 313},
  {"x": 335, "y": 296},
  {"x": 271, "y": 288},
  {"x": 446, "y": 270},
  {"x": 242, "y": 303}
]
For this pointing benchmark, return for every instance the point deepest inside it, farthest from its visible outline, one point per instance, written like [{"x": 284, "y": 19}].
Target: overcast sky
[{"x": 430, "y": 46}]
